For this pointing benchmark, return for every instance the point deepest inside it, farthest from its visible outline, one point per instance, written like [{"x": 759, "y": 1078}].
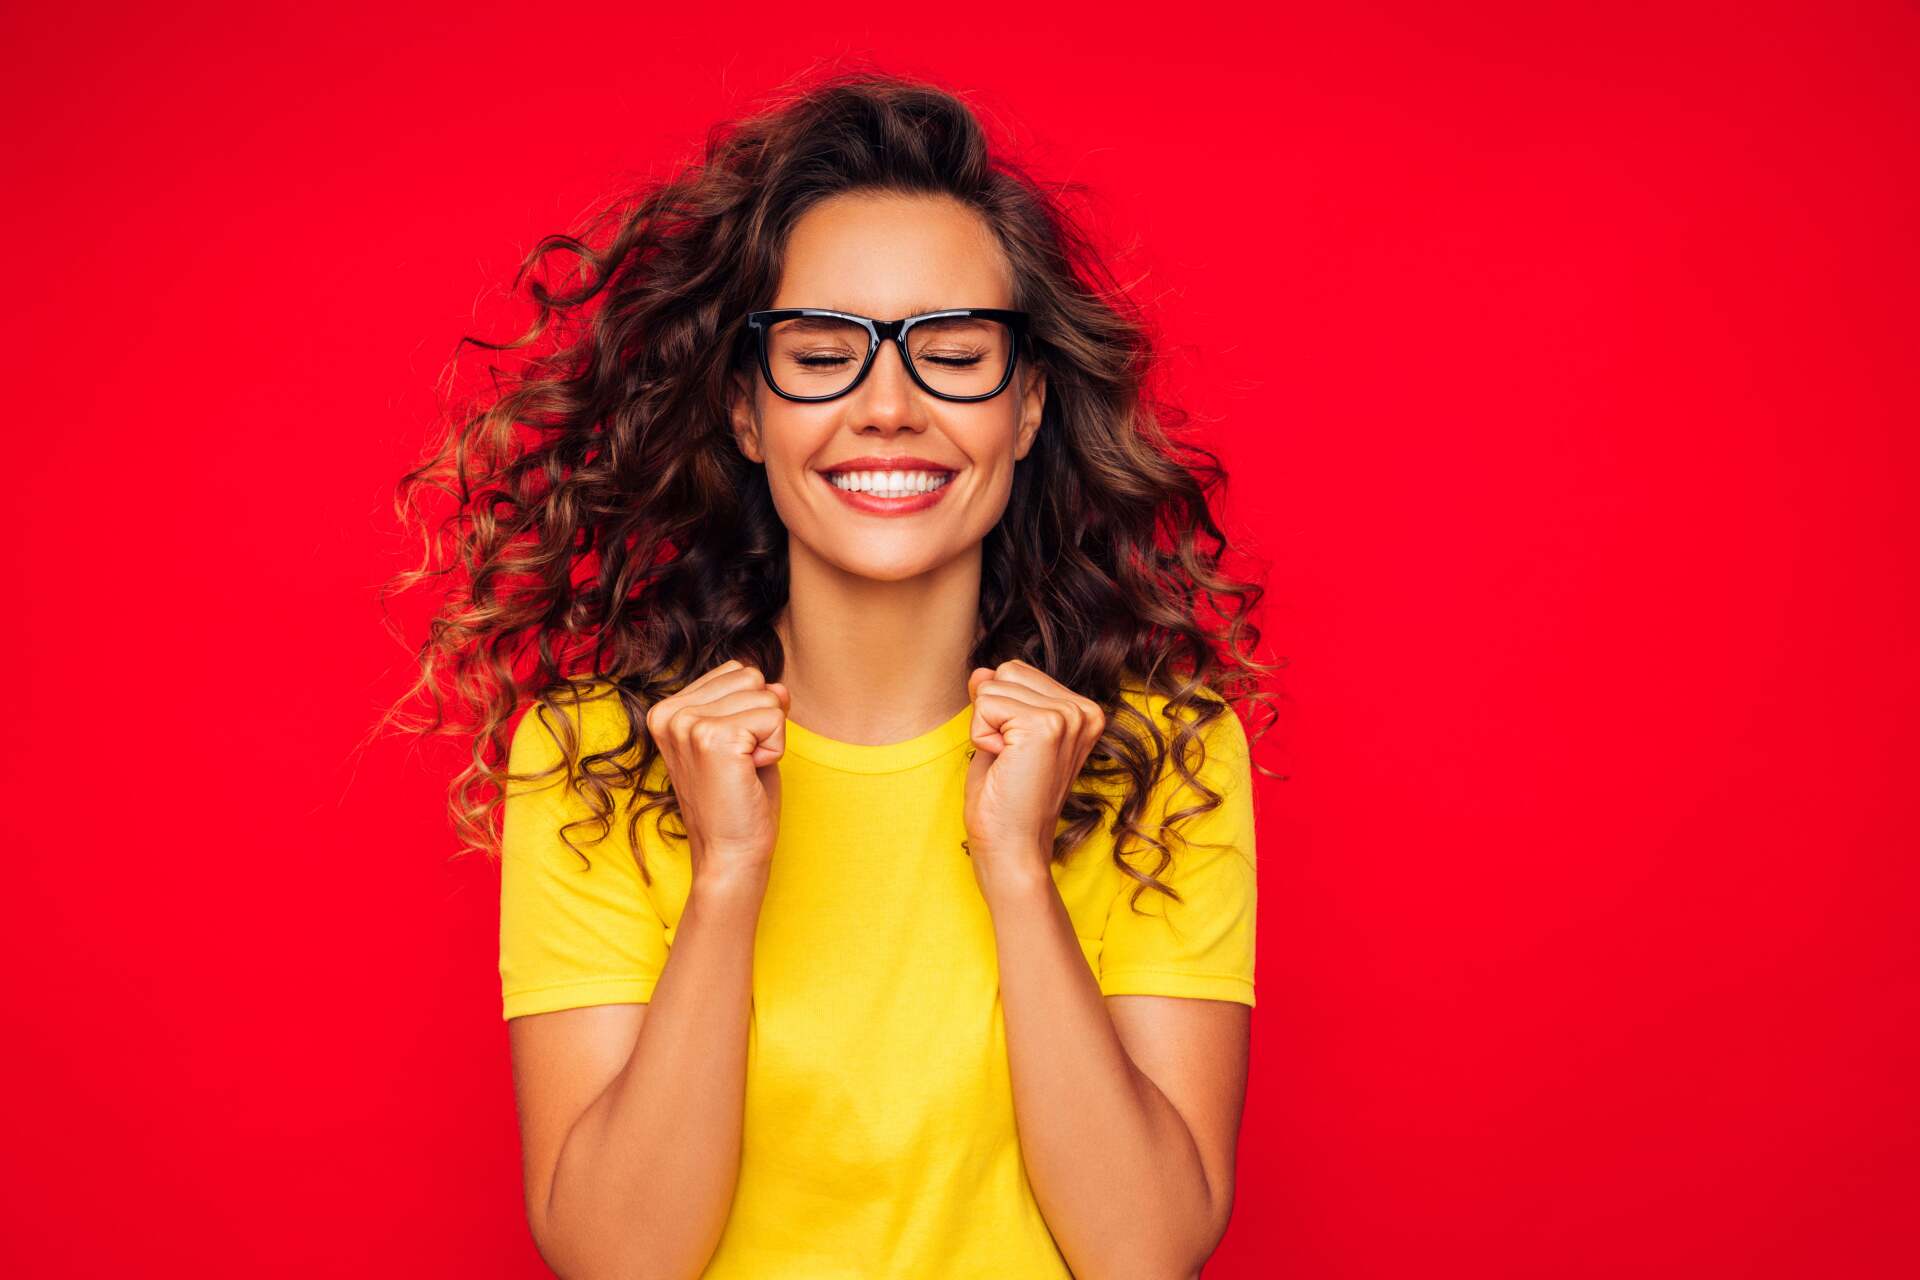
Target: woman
[{"x": 847, "y": 545}]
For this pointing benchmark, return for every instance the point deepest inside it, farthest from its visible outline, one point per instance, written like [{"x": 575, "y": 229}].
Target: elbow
[
  {"x": 573, "y": 1268},
  {"x": 1170, "y": 1262},
  {"x": 600, "y": 1270},
  {"x": 1173, "y": 1250},
  {"x": 1217, "y": 1196},
  {"x": 1188, "y": 1270},
  {"x": 1188, "y": 1264},
  {"x": 1222, "y": 1213},
  {"x": 569, "y": 1260}
]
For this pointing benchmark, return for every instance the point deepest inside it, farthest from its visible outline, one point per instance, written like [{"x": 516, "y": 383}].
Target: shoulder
[
  {"x": 580, "y": 718},
  {"x": 1203, "y": 724},
  {"x": 1200, "y": 767}
]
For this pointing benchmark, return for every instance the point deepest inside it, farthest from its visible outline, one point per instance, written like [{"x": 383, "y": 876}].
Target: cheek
[
  {"x": 995, "y": 496},
  {"x": 989, "y": 490},
  {"x": 995, "y": 454},
  {"x": 789, "y": 448},
  {"x": 786, "y": 442}
]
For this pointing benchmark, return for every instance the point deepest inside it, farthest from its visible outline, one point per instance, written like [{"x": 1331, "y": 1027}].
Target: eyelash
[{"x": 816, "y": 362}]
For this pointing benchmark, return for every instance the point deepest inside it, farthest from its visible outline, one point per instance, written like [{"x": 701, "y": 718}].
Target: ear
[
  {"x": 746, "y": 430},
  {"x": 1033, "y": 399}
]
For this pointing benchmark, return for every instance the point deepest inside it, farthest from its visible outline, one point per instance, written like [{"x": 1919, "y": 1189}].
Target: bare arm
[
  {"x": 630, "y": 1114},
  {"x": 1133, "y": 1172}
]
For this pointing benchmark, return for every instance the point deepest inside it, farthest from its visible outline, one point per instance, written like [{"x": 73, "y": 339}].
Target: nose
[{"x": 888, "y": 396}]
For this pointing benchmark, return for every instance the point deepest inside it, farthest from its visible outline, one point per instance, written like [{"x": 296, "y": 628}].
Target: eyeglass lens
[{"x": 954, "y": 355}]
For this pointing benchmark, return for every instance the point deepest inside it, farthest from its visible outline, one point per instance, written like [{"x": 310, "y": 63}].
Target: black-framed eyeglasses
[{"x": 961, "y": 353}]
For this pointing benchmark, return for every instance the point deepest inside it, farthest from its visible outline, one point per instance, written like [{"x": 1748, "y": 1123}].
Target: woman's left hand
[{"x": 1031, "y": 734}]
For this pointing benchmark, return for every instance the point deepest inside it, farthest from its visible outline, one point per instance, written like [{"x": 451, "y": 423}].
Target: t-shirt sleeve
[
  {"x": 1204, "y": 946},
  {"x": 571, "y": 934}
]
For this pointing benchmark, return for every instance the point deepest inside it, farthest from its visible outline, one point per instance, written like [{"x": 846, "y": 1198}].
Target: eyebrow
[
  {"x": 825, "y": 324},
  {"x": 916, "y": 310}
]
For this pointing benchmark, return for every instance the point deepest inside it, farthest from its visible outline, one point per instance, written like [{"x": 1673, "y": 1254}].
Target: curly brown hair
[{"x": 606, "y": 530}]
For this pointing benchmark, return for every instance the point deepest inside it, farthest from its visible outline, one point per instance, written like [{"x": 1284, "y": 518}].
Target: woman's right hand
[{"x": 721, "y": 737}]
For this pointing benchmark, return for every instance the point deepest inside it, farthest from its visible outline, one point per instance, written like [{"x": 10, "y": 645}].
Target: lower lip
[{"x": 874, "y": 504}]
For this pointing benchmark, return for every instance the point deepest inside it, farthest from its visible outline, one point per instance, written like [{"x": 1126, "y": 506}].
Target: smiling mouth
[
  {"x": 896, "y": 484},
  {"x": 901, "y": 494}
]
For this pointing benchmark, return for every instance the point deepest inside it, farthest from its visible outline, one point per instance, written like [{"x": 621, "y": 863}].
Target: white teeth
[{"x": 890, "y": 484}]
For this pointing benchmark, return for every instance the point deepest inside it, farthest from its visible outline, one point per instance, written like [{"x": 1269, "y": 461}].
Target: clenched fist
[{"x": 722, "y": 737}]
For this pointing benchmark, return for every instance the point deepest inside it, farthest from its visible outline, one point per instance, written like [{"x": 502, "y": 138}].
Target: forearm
[
  {"x": 645, "y": 1179},
  {"x": 1113, "y": 1166}
]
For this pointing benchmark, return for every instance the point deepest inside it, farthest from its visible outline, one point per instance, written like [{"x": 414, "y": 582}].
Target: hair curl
[{"x": 606, "y": 528}]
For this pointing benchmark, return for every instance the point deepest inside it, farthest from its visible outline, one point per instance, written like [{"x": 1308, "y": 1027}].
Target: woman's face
[{"x": 889, "y": 256}]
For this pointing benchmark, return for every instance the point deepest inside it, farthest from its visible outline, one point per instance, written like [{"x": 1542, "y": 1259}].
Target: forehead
[{"x": 893, "y": 255}]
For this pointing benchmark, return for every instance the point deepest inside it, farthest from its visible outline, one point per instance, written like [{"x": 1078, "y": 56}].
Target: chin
[
  {"x": 888, "y": 568},
  {"x": 892, "y": 572}
]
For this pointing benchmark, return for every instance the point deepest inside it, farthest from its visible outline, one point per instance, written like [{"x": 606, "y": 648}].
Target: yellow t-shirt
[{"x": 878, "y": 1134}]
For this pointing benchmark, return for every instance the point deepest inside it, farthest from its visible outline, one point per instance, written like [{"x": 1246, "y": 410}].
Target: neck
[{"x": 869, "y": 661}]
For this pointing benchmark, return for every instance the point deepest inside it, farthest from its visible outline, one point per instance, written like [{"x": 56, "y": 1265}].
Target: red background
[{"x": 1564, "y": 359}]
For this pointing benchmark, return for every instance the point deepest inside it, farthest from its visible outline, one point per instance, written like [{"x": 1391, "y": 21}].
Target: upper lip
[{"x": 904, "y": 462}]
